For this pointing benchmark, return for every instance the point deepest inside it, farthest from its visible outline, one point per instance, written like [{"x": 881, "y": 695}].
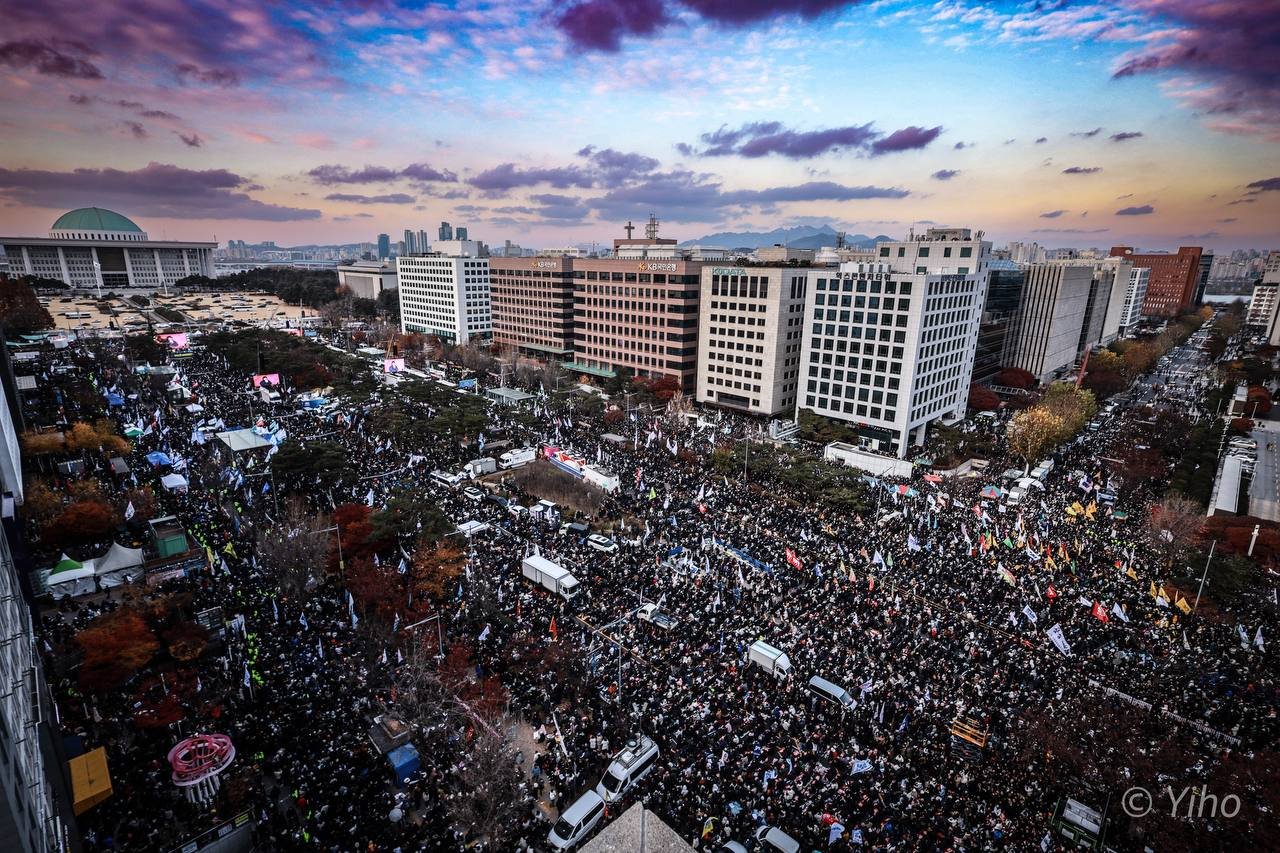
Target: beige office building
[{"x": 750, "y": 330}]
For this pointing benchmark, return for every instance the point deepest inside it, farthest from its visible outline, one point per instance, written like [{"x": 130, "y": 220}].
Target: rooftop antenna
[
  {"x": 651, "y": 229},
  {"x": 840, "y": 235}
]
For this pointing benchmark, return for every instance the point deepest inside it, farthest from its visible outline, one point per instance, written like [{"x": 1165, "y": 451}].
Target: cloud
[
  {"x": 52, "y": 57},
  {"x": 392, "y": 198},
  {"x": 189, "y": 72},
  {"x": 192, "y": 141},
  {"x": 1052, "y": 214},
  {"x": 1126, "y": 135},
  {"x": 907, "y": 139},
  {"x": 616, "y": 167},
  {"x": 507, "y": 176},
  {"x": 1088, "y": 134},
  {"x": 1040, "y": 140},
  {"x": 1263, "y": 186},
  {"x": 1141, "y": 210},
  {"x": 1082, "y": 170},
  {"x": 1070, "y": 230},
  {"x": 560, "y": 207},
  {"x": 945, "y": 174},
  {"x": 136, "y": 128},
  {"x": 602, "y": 24},
  {"x": 960, "y": 146},
  {"x": 157, "y": 189},
  {"x": 330, "y": 174},
  {"x": 762, "y": 138},
  {"x": 1241, "y": 201}
]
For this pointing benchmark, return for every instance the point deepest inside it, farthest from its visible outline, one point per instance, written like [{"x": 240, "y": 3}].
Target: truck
[
  {"x": 551, "y": 576},
  {"x": 516, "y": 458},
  {"x": 481, "y": 466},
  {"x": 769, "y": 658},
  {"x": 652, "y": 614},
  {"x": 605, "y": 479}
]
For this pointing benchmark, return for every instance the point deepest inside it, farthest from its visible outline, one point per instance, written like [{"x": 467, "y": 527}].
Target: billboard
[
  {"x": 392, "y": 365},
  {"x": 175, "y": 340},
  {"x": 271, "y": 379}
]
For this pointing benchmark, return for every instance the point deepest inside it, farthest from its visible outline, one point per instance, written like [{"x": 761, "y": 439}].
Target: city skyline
[{"x": 556, "y": 123}]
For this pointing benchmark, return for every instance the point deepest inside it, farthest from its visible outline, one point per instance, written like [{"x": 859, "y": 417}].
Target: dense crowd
[{"x": 935, "y": 606}]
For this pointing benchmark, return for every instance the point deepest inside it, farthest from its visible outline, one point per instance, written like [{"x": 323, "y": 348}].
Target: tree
[
  {"x": 1173, "y": 525},
  {"x": 297, "y": 547},
  {"x": 1016, "y": 377},
  {"x": 145, "y": 348},
  {"x": 115, "y": 647},
  {"x": 144, "y": 504},
  {"x": 434, "y": 568},
  {"x": 1032, "y": 432},
  {"x": 1074, "y": 406},
  {"x": 186, "y": 640},
  {"x": 82, "y": 521},
  {"x": 983, "y": 399},
  {"x": 1258, "y": 401},
  {"x": 20, "y": 310},
  {"x": 1241, "y": 426},
  {"x": 489, "y": 797}
]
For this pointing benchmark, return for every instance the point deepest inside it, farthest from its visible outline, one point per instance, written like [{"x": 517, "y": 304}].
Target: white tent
[
  {"x": 73, "y": 582},
  {"x": 119, "y": 565},
  {"x": 243, "y": 439},
  {"x": 174, "y": 482}
]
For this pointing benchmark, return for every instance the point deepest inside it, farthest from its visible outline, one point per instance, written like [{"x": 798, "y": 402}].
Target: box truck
[
  {"x": 516, "y": 458},
  {"x": 551, "y": 576}
]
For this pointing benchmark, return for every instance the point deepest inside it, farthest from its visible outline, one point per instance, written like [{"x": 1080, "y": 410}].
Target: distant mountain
[{"x": 798, "y": 237}]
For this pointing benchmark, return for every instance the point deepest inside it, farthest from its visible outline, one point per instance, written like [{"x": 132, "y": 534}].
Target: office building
[
  {"x": 1174, "y": 278},
  {"x": 1104, "y": 310},
  {"x": 779, "y": 254},
  {"x": 1262, "y": 306},
  {"x": 408, "y": 246},
  {"x": 367, "y": 279},
  {"x": 460, "y": 248},
  {"x": 532, "y": 305},
  {"x": 1046, "y": 332},
  {"x": 1206, "y": 267},
  {"x": 446, "y": 296},
  {"x": 96, "y": 248},
  {"x": 1134, "y": 296},
  {"x": 445, "y": 232},
  {"x": 420, "y": 244},
  {"x": 888, "y": 346},
  {"x": 750, "y": 330},
  {"x": 461, "y": 233},
  {"x": 384, "y": 246},
  {"x": 999, "y": 310}
]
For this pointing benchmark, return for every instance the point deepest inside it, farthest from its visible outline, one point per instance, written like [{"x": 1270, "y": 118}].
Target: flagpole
[{"x": 1204, "y": 575}]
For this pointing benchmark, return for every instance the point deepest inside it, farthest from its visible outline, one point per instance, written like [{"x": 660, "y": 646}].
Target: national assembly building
[{"x": 93, "y": 247}]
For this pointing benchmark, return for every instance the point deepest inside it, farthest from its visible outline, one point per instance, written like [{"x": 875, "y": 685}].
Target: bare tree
[
  {"x": 678, "y": 407},
  {"x": 1174, "y": 525},
  {"x": 296, "y": 547},
  {"x": 489, "y": 796}
]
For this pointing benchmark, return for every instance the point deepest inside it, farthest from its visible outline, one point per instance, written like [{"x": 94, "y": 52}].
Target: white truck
[
  {"x": 605, "y": 479},
  {"x": 769, "y": 658},
  {"x": 479, "y": 467},
  {"x": 516, "y": 458},
  {"x": 551, "y": 576},
  {"x": 654, "y": 615}
]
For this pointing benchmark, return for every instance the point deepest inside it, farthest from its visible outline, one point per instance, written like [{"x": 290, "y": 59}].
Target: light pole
[
  {"x": 439, "y": 632},
  {"x": 342, "y": 569},
  {"x": 1205, "y": 575}
]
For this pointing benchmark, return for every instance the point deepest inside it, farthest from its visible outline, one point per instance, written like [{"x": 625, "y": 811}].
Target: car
[
  {"x": 574, "y": 528},
  {"x": 517, "y": 510},
  {"x": 576, "y": 821},
  {"x": 770, "y": 838},
  {"x": 731, "y": 847},
  {"x": 497, "y": 499},
  {"x": 472, "y": 493},
  {"x": 601, "y": 543}
]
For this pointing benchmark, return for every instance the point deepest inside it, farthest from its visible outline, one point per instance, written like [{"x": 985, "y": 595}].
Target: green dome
[{"x": 94, "y": 219}]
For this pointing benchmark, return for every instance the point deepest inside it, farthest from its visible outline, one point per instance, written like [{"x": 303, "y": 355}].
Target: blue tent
[
  {"x": 115, "y": 400},
  {"x": 404, "y": 762},
  {"x": 157, "y": 458}
]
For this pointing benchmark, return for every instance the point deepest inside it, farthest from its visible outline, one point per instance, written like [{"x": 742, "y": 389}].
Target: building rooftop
[{"x": 94, "y": 219}]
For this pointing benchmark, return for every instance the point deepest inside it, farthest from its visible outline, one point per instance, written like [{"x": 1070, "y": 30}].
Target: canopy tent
[
  {"x": 471, "y": 528},
  {"x": 157, "y": 458},
  {"x": 993, "y": 492},
  {"x": 90, "y": 779},
  {"x": 243, "y": 439},
  {"x": 174, "y": 482},
  {"x": 118, "y": 465},
  {"x": 66, "y": 564},
  {"x": 72, "y": 582},
  {"x": 119, "y": 565}
]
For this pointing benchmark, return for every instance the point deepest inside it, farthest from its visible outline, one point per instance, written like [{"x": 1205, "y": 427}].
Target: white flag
[
  {"x": 1244, "y": 636},
  {"x": 368, "y": 499},
  {"x": 1055, "y": 634},
  {"x": 1257, "y": 639},
  {"x": 1029, "y": 613},
  {"x": 1119, "y": 612},
  {"x": 128, "y": 511},
  {"x": 246, "y": 674},
  {"x": 484, "y": 635}
]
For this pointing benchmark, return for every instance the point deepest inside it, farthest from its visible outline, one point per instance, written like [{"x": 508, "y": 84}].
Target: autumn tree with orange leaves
[{"x": 115, "y": 646}]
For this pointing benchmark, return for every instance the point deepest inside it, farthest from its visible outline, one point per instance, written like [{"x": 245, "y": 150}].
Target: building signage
[
  {"x": 727, "y": 271},
  {"x": 650, "y": 266},
  {"x": 542, "y": 265}
]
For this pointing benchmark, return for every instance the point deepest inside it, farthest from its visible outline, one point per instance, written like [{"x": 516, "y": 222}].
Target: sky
[{"x": 1151, "y": 123}]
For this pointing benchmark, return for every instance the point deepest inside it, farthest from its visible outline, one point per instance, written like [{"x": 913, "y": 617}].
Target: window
[{"x": 966, "y": 251}]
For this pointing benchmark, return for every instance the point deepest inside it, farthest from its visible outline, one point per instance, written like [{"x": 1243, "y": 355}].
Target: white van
[
  {"x": 576, "y": 821},
  {"x": 770, "y": 839},
  {"x": 628, "y": 767},
  {"x": 830, "y": 691},
  {"x": 769, "y": 658},
  {"x": 516, "y": 458},
  {"x": 447, "y": 479},
  {"x": 601, "y": 543}
]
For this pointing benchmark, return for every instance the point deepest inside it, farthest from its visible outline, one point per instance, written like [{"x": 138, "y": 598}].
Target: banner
[
  {"x": 269, "y": 379},
  {"x": 392, "y": 365},
  {"x": 1055, "y": 634},
  {"x": 175, "y": 340}
]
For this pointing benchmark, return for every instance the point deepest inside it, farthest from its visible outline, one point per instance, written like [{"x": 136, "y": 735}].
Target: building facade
[
  {"x": 1173, "y": 282},
  {"x": 367, "y": 279},
  {"x": 1004, "y": 297},
  {"x": 1046, "y": 332},
  {"x": 444, "y": 296},
  {"x": 1134, "y": 295},
  {"x": 96, "y": 248},
  {"x": 532, "y": 305},
  {"x": 889, "y": 346},
  {"x": 750, "y": 330},
  {"x": 384, "y": 246}
]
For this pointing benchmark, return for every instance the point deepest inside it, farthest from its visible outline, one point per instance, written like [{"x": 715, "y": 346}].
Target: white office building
[
  {"x": 446, "y": 296},
  {"x": 750, "y": 329},
  {"x": 1046, "y": 332},
  {"x": 888, "y": 346},
  {"x": 1108, "y": 291},
  {"x": 1135, "y": 294},
  {"x": 367, "y": 279}
]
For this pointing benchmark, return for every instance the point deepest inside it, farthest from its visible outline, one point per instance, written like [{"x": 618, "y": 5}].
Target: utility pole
[{"x": 1206, "y": 572}]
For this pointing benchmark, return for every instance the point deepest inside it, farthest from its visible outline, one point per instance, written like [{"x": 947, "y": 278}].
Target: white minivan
[
  {"x": 770, "y": 838},
  {"x": 576, "y": 821},
  {"x": 628, "y": 767}
]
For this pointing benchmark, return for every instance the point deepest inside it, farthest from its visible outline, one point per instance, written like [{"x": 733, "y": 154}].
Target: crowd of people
[{"x": 942, "y": 603}]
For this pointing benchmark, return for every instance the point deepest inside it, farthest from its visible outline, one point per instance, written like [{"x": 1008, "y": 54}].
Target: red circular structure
[{"x": 199, "y": 758}]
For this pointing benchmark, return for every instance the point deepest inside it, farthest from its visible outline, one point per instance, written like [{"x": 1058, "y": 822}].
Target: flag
[
  {"x": 793, "y": 560},
  {"x": 1182, "y": 605},
  {"x": 555, "y": 632},
  {"x": 1029, "y": 613},
  {"x": 1051, "y": 594},
  {"x": 1007, "y": 577},
  {"x": 246, "y": 674},
  {"x": 1055, "y": 634},
  {"x": 484, "y": 635},
  {"x": 302, "y": 620},
  {"x": 403, "y": 567},
  {"x": 1131, "y": 573},
  {"x": 1099, "y": 612},
  {"x": 129, "y": 511},
  {"x": 368, "y": 499},
  {"x": 384, "y": 657},
  {"x": 275, "y": 611},
  {"x": 1257, "y": 639},
  {"x": 320, "y": 648},
  {"x": 877, "y": 559},
  {"x": 913, "y": 544},
  {"x": 1119, "y": 612}
]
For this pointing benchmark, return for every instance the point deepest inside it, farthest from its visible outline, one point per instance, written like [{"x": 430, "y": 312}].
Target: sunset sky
[{"x": 1148, "y": 122}]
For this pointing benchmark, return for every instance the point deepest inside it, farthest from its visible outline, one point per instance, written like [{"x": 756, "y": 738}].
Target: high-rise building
[
  {"x": 400, "y": 249},
  {"x": 421, "y": 245},
  {"x": 446, "y": 296},
  {"x": 445, "y": 231},
  {"x": 1264, "y": 306},
  {"x": 1004, "y": 297},
  {"x": 750, "y": 329},
  {"x": 95, "y": 248},
  {"x": 1105, "y": 308},
  {"x": 409, "y": 244},
  {"x": 1171, "y": 288},
  {"x": 384, "y": 246},
  {"x": 1206, "y": 267},
  {"x": 1046, "y": 332},
  {"x": 1134, "y": 296},
  {"x": 461, "y": 233},
  {"x": 889, "y": 346},
  {"x": 532, "y": 305}
]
